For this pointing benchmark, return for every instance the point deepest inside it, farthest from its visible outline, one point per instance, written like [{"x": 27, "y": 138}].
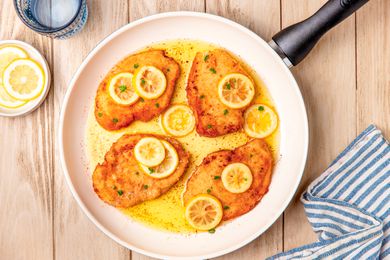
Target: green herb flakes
[{"x": 122, "y": 88}]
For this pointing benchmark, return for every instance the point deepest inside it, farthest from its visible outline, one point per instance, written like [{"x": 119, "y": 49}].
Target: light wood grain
[
  {"x": 373, "y": 66},
  {"x": 345, "y": 82},
  {"x": 139, "y": 9},
  {"x": 26, "y": 164},
  {"x": 247, "y": 14},
  {"x": 75, "y": 236},
  {"x": 327, "y": 80}
]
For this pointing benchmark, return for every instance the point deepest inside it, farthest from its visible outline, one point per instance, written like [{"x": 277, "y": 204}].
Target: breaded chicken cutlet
[
  {"x": 256, "y": 155},
  {"x": 120, "y": 181},
  {"x": 213, "y": 118},
  {"x": 113, "y": 116}
]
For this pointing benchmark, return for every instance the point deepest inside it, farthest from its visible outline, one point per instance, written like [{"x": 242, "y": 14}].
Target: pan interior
[{"x": 154, "y": 213}]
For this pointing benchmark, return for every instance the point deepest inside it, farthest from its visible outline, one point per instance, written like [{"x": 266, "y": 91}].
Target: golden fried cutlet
[
  {"x": 113, "y": 116},
  {"x": 256, "y": 155},
  {"x": 202, "y": 93},
  {"x": 119, "y": 180}
]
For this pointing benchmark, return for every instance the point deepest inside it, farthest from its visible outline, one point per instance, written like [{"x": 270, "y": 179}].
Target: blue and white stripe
[{"x": 349, "y": 204}]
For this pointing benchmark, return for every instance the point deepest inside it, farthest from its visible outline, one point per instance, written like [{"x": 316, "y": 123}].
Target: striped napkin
[{"x": 349, "y": 204}]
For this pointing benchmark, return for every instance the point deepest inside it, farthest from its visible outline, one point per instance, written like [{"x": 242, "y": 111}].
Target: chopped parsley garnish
[
  {"x": 151, "y": 170},
  {"x": 225, "y": 112},
  {"x": 122, "y": 88},
  {"x": 142, "y": 100},
  {"x": 226, "y": 207},
  {"x": 213, "y": 70},
  {"x": 115, "y": 120},
  {"x": 212, "y": 231},
  {"x": 206, "y": 57},
  {"x": 146, "y": 186},
  {"x": 202, "y": 96},
  {"x": 136, "y": 65},
  {"x": 157, "y": 105},
  {"x": 228, "y": 86},
  {"x": 245, "y": 179},
  {"x": 209, "y": 126},
  {"x": 260, "y": 108},
  {"x": 217, "y": 177},
  {"x": 100, "y": 114},
  {"x": 120, "y": 192},
  {"x": 143, "y": 81},
  {"x": 208, "y": 190}
]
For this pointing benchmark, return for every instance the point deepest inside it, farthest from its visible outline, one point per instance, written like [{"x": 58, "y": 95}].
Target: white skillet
[{"x": 268, "y": 65}]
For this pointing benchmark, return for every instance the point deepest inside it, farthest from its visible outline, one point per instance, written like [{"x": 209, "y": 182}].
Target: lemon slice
[
  {"x": 149, "y": 82},
  {"x": 24, "y": 79},
  {"x": 9, "y": 54},
  {"x": 236, "y": 90},
  {"x": 236, "y": 178},
  {"x": 149, "y": 151},
  {"x": 121, "y": 89},
  {"x": 7, "y": 101},
  {"x": 178, "y": 120},
  {"x": 204, "y": 212},
  {"x": 167, "y": 167},
  {"x": 260, "y": 121}
]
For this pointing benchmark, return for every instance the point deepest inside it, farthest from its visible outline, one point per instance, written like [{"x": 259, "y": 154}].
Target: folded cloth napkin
[{"x": 349, "y": 204}]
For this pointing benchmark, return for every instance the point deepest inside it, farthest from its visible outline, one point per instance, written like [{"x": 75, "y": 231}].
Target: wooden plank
[
  {"x": 26, "y": 167},
  {"x": 75, "y": 236},
  {"x": 327, "y": 81},
  {"x": 262, "y": 17},
  {"x": 248, "y": 13},
  {"x": 373, "y": 66},
  {"x": 139, "y": 9}
]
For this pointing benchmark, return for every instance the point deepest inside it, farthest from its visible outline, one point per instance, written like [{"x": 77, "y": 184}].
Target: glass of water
[{"x": 58, "y": 19}]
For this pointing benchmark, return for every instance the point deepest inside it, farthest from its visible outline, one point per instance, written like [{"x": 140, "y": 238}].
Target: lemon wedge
[
  {"x": 149, "y": 151},
  {"x": 121, "y": 89},
  {"x": 149, "y": 82},
  {"x": 260, "y": 121},
  {"x": 24, "y": 79},
  {"x": 9, "y": 54},
  {"x": 236, "y": 90},
  {"x": 178, "y": 120},
  {"x": 236, "y": 178},
  {"x": 7, "y": 101},
  {"x": 167, "y": 166},
  {"x": 204, "y": 212}
]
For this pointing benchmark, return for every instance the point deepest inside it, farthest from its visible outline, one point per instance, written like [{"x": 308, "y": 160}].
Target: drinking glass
[{"x": 58, "y": 19}]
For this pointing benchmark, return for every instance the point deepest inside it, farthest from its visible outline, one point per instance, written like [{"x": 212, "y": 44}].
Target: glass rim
[{"x": 48, "y": 30}]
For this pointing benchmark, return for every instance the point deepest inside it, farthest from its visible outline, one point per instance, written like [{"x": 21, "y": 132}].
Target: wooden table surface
[{"x": 345, "y": 82}]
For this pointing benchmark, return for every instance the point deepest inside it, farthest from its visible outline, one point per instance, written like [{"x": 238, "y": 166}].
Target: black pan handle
[{"x": 295, "y": 42}]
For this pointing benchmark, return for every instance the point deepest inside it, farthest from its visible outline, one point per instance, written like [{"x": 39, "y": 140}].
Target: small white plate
[{"x": 33, "y": 104}]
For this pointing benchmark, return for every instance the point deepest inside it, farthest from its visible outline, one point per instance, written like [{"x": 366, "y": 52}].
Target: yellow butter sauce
[{"x": 167, "y": 212}]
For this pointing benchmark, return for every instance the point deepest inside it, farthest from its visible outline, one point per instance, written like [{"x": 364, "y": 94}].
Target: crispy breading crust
[
  {"x": 113, "y": 116},
  {"x": 121, "y": 173},
  {"x": 256, "y": 155},
  {"x": 202, "y": 93}
]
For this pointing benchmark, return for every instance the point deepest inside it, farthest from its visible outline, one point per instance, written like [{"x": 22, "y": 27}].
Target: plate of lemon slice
[{"x": 24, "y": 78}]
